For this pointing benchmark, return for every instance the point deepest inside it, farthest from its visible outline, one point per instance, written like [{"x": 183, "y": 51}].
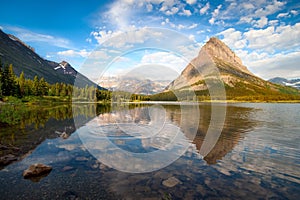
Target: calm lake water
[{"x": 106, "y": 152}]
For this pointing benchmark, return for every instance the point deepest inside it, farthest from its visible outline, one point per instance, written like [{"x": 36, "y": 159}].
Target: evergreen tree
[
  {"x": 22, "y": 84},
  {"x": 63, "y": 90},
  {"x": 8, "y": 81},
  {"x": 43, "y": 87},
  {"x": 57, "y": 89},
  {"x": 36, "y": 88}
]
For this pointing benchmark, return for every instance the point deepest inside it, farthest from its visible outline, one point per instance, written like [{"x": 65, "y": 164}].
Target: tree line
[{"x": 19, "y": 86}]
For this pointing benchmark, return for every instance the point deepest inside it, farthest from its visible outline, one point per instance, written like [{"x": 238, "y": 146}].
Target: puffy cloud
[
  {"x": 73, "y": 53},
  {"x": 294, "y": 12},
  {"x": 269, "y": 66},
  {"x": 215, "y": 14},
  {"x": 269, "y": 9},
  {"x": 204, "y": 9},
  {"x": 247, "y": 5},
  {"x": 282, "y": 15},
  {"x": 262, "y": 22},
  {"x": 282, "y": 38},
  {"x": 245, "y": 19},
  {"x": 233, "y": 38},
  {"x": 270, "y": 39},
  {"x": 103, "y": 35},
  {"x": 191, "y": 2},
  {"x": 166, "y": 59},
  {"x": 245, "y": 11},
  {"x": 173, "y": 11},
  {"x": 186, "y": 12},
  {"x": 268, "y": 52}
]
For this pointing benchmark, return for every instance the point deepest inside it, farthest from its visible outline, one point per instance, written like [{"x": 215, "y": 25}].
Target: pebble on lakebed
[
  {"x": 171, "y": 182},
  {"x": 37, "y": 170}
]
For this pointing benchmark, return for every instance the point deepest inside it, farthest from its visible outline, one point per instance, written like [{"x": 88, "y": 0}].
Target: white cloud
[
  {"x": 119, "y": 39},
  {"x": 186, "y": 12},
  {"x": 245, "y": 19},
  {"x": 247, "y": 10},
  {"x": 268, "y": 52},
  {"x": 149, "y": 7},
  {"x": 180, "y": 26},
  {"x": 173, "y": 11},
  {"x": 262, "y": 22},
  {"x": 166, "y": 59},
  {"x": 273, "y": 22},
  {"x": 29, "y": 36},
  {"x": 163, "y": 8},
  {"x": 204, "y": 9},
  {"x": 215, "y": 14},
  {"x": 194, "y": 25},
  {"x": 119, "y": 14},
  {"x": 192, "y": 38},
  {"x": 233, "y": 38},
  {"x": 191, "y": 2},
  {"x": 282, "y": 15},
  {"x": 270, "y": 66},
  {"x": 73, "y": 53},
  {"x": 282, "y": 38},
  {"x": 294, "y": 12},
  {"x": 269, "y": 9},
  {"x": 99, "y": 54},
  {"x": 103, "y": 35},
  {"x": 247, "y": 5}
]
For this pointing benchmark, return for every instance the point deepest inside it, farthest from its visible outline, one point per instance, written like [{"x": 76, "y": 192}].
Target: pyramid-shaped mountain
[{"x": 216, "y": 62}]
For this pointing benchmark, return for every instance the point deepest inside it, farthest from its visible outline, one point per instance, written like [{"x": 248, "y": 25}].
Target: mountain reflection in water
[{"x": 256, "y": 155}]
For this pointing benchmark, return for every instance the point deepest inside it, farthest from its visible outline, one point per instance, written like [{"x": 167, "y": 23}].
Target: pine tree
[
  {"x": 36, "y": 90},
  {"x": 57, "y": 89},
  {"x": 43, "y": 87},
  {"x": 22, "y": 84}
]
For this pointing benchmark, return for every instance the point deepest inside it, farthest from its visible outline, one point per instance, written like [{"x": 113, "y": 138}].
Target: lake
[{"x": 159, "y": 151}]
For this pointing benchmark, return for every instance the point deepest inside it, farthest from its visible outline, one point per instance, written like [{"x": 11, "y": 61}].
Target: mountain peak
[
  {"x": 218, "y": 50},
  {"x": 217, "y": 54}
]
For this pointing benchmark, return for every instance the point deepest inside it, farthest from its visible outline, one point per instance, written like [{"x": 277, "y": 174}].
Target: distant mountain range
[
  {"x": 216, "y": 60},
  {"x": 24, "y": 58},
  {"x": 286, "y": 82},
  {"x": 134, "y": 84}
]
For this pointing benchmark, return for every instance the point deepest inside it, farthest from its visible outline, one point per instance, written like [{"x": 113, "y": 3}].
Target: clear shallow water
[{"x": 257, "y": 155}]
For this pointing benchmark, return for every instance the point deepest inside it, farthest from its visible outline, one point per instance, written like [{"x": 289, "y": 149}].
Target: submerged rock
[
  {"x": 171, "y": 182},
  {"x": 37, "y": 171},
  {"x": 81, "y": 158},
  {"x": 67, "y": 168},
  {"x": 5, "y": 160}
]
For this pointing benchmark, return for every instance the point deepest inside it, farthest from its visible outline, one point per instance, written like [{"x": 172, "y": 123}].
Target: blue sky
[{"x": 265, "y": 34}]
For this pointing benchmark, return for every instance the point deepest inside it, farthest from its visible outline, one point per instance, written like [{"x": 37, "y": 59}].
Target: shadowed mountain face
[
  {"x": 24, "y": 58},
  {"x": 217, "y": 62}
]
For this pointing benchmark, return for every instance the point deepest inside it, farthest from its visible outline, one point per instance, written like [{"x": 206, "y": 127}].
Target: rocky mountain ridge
[{"x": 23, "y": 58}]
